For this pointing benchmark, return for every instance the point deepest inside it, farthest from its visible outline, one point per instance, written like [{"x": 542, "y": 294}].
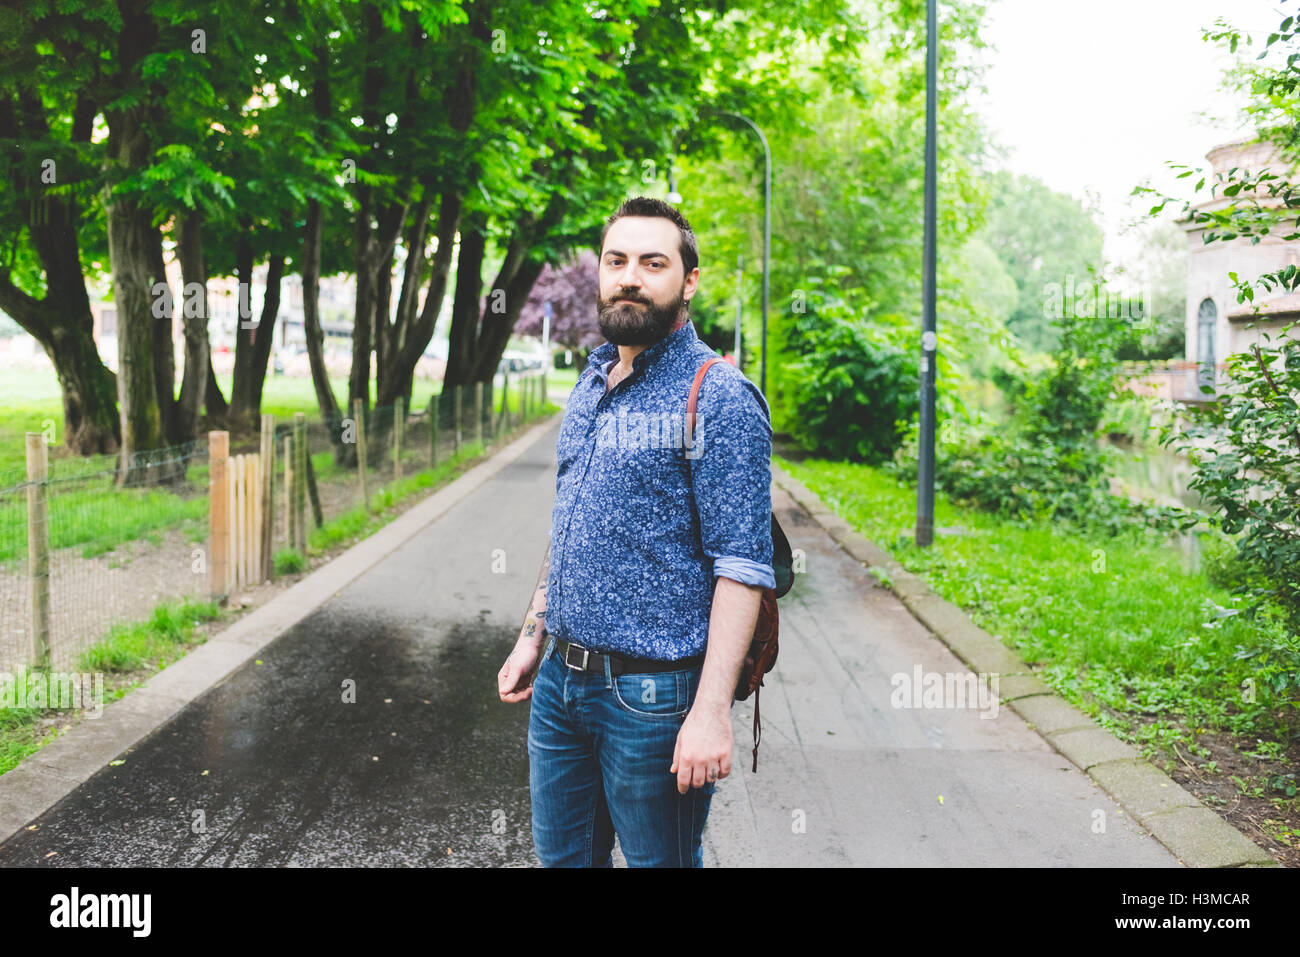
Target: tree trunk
[
  {"x": 264, "y": 335},
  {"x": 194, "y": 316},
  {"x": 241, "y": 385},
  {"x": 61, "y": 321},
  {"x": 213, "y": 401},
  {"x": 325, "y": 400},
  {"x": 131, "y": 242},
  {"x": 322, "y": 106},
  {"x": 401, "y": 381},
  {"x": 164, "y": 347}
]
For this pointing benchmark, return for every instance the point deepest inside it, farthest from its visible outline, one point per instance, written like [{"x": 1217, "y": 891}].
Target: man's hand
[
  {"x": 703, "y": 751},
  {"x": 515, "y": 679}
]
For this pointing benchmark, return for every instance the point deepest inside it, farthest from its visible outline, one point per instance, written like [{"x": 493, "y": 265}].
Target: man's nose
[{"x": 630, "y": 278}]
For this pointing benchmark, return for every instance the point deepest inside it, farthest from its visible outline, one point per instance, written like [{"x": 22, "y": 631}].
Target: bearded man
[{"x": 660, "y": 547}]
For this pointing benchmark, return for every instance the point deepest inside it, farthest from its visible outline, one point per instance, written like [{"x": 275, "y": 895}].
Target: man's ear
[{"x": 692, "y": 283}]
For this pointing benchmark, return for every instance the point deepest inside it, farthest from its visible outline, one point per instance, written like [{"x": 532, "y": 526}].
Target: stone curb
[
  {"x": 1192, "y": 832},
  {"x": 48, "y": 775}
]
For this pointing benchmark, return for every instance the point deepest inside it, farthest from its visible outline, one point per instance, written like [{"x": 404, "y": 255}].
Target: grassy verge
[
  {"x": 1127, "y": 629},
  {"x": 130, "y": 654}
]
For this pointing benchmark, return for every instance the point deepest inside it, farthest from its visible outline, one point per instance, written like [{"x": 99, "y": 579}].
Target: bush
[
  {"x": 1048, "y": 462},
  {"x": 852, "y": 390},
  {"x": 1245, "y": 448}
]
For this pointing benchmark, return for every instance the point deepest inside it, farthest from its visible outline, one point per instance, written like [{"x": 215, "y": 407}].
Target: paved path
[{"x": 428, "y": 767}]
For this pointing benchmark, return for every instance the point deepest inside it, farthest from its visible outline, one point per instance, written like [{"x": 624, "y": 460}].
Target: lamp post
[
  {"x": 675, "y": 197},
  {"x": 929, "y": 337},
  {"x": 767, "y": 237}
]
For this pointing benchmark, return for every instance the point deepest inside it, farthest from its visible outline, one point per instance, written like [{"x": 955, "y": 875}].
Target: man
[{"x": 648, "y": 596}]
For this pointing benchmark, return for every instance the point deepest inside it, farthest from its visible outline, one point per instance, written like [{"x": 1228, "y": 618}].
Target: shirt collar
[{"x": 682, "y": 335}]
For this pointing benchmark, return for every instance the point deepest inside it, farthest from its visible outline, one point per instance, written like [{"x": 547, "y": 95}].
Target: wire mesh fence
[
  {"x": 104, "y": 550},
  {"x": 86, "y": 543}
]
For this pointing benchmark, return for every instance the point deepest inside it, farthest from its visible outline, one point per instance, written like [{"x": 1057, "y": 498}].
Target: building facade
[{"x": 1217, "y": 325}]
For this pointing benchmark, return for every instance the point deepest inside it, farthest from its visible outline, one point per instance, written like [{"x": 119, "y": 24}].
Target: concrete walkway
[{"x": 248, "y": 753}]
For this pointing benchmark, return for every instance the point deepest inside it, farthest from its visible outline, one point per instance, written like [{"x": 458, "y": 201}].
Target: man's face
[{"x": 642, "y": 287}]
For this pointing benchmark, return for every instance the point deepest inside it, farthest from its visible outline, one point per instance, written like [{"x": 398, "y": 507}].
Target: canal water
[{"x": 1160, "y": 476}]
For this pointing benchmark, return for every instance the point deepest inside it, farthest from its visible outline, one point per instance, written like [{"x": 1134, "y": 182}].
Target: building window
[{"x": 1207, "y": 323}]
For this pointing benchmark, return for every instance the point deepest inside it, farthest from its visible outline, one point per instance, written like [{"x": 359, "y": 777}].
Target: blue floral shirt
[{"x": 643, "y": 522}]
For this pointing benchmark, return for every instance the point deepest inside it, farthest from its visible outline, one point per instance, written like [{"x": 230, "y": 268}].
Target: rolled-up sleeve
[{"x": 731, "y": 477}]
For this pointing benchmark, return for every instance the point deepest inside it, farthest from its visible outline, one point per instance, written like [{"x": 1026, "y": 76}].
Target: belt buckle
[{"x": 586, "y": 653}]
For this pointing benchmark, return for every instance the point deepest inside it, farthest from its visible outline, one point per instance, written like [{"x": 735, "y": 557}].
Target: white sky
[{"x": 1093, "y": 97}]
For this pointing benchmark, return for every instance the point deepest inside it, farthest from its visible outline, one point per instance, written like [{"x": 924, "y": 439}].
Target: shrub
[
  {"x": 852, "y": 390},
  {"x": 1048, "y": 462},
  {"x": 1245, "y": 449}
]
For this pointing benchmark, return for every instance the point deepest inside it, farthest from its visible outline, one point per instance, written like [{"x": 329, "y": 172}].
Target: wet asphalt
[{"x": 275, "y": 766}]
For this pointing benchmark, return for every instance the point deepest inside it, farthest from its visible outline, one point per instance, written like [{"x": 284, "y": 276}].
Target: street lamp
[
  {"x": 675, "y": 197},
  {"x": 929, "y": 337},
  {"x": 767, "y": 237}
]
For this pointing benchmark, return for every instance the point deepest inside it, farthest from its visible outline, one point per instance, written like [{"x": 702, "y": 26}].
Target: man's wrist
[{"x": 717, "y": 704}]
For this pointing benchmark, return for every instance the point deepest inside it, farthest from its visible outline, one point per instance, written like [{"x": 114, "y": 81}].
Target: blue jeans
[{"x": 599, "y": 750}]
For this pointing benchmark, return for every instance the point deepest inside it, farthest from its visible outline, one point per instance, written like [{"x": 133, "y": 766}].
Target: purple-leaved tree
[{"x": 572, "y": 291}]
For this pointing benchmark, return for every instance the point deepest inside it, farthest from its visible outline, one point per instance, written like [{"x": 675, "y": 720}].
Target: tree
[
  {"x": 1042, "y": 237},
  {"x": 48, "y": 167},
  {"x": 572, "y": 291}
]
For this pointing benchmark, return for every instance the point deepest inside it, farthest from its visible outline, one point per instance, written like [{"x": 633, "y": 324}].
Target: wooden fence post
[
  {"x": 457, "y": 409},
  {"x": 238, "y": 522},
  {"x": 38, "y": 546},
  {"x": 266, "y": 492},
  {"x": 218, "y": 514},
  {"x": 300, "y": 481},
  {"x": 361, "y": 450},
  {"x": 398, "y": 425},
  {"x": 255, "y": 518},
  {"x": 290, "y": 513},
  {"x": 505, "y": 399},
  {"x": 433, "y": 430},
  {"x": 478, "y": 412}
]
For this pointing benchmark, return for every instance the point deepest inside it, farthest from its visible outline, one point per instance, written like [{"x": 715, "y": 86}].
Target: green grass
[
  {"x": 289, "y": 560},
  {"x": 151, "y": 642},
  {"x": 1121, "y": 627},
  {"x": 132, "y": 650},
  {"x": 100, "y": 518}
]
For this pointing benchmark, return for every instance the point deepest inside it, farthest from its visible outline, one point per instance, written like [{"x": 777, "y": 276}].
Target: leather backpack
[{"x": 761, "y": 656}]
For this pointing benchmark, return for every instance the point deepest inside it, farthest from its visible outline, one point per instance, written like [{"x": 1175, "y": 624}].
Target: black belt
[{"x": 584, "y": 659}]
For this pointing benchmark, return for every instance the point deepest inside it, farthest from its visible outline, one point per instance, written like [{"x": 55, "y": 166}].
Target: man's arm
[
  {"x": 731, "y": 477},
  {"x": 534, "y": 628},
  {"x": 515, "y": 679},
  {"x": 731, "y": 628}
]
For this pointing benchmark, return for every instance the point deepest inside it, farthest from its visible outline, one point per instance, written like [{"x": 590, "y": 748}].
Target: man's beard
[{"x": 639, "y": 324}]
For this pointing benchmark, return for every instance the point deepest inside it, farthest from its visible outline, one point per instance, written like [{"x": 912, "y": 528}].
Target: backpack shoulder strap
[{"x": 695, "y": 393}]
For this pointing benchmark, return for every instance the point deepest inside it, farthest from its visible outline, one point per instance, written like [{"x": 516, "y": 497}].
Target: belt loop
[
  {"x": 550, "y": 646},
  {"x": 609, "y": 677}
]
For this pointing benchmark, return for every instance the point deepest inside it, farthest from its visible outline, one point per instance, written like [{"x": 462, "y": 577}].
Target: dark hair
[{"x": 647, "y": 206}]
